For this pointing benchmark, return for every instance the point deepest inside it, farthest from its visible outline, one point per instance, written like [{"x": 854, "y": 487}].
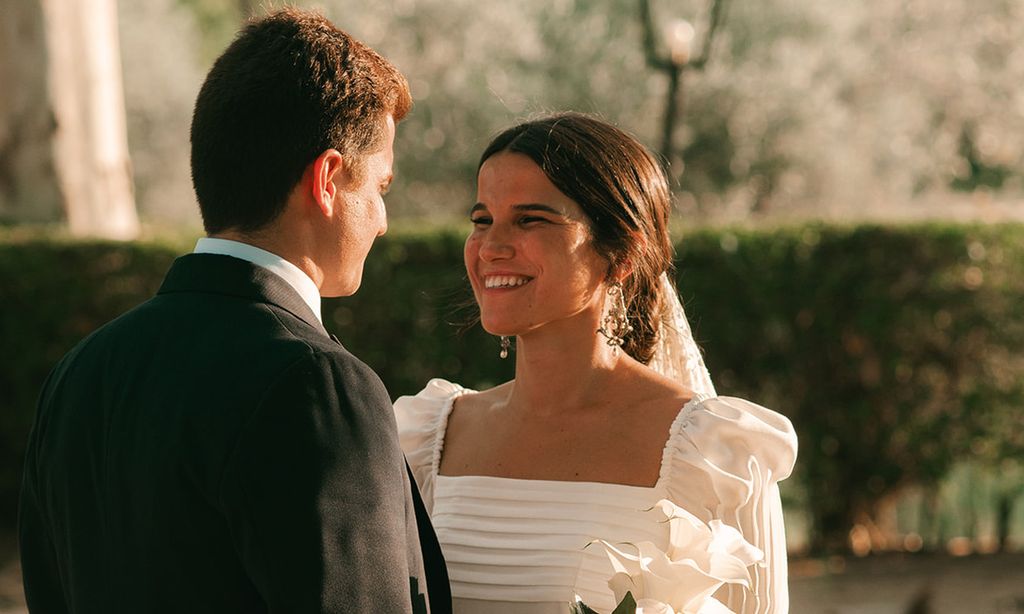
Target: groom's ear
[{"x": 325, "y": 174}]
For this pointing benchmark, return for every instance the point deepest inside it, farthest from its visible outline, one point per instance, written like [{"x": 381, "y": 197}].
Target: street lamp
[{"x": 679, "y": 38}]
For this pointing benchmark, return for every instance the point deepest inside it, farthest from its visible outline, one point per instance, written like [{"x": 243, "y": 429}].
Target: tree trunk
[
  {"x": 90, "y": 145},
  {"x": 931, "y": 537},
  {"x": 1004, "y": 512},
  {"x": 28, "y": 180}
]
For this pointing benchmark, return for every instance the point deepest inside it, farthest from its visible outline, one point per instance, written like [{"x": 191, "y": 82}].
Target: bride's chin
[
  {"x": 498, "y": 329},
  {"x": 500, "y": 332}
]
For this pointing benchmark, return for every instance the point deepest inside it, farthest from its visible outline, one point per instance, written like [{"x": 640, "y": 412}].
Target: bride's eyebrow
[
  {"x": 540, "y": 207},
  {"x": 524, "y": 208}
]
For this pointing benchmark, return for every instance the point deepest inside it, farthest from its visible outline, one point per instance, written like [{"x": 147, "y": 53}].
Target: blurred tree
[
  {"x": 1000, "y": 447},
  {"x": 976, "y": 171},
  {"x": 827, "y": 108},
  {"x": 164, "y": 67},
  {"x": 217, "y": 22},
  {"x": 28, "y": 189},
  {"x": 83, "y": 143},
  {"x": 248, "y": 8},
  {"x": 474, "y": 72}
]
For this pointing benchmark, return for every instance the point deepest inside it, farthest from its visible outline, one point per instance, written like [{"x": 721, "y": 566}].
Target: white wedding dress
[{"x": 520, "y": 546}]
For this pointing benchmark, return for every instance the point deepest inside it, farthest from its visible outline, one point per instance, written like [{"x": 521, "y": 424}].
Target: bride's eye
[{"x": 480, "y": 220}]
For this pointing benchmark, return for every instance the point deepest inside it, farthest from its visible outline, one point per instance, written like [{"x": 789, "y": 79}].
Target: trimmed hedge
[
  {"x": 895, "y": 350},
  {"x": 53, "y": 294}
]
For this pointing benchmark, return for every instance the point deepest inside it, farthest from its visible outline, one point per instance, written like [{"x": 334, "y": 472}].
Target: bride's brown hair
[{"x": 622, "y": 190}]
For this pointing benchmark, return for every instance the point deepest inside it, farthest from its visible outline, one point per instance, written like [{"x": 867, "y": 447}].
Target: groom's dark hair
[{"x": 289, "y": 87}]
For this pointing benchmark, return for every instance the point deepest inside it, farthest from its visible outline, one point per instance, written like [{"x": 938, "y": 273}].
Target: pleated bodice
[
  {"x": 526, "y": 540},
  {"x": 518, "y": 546}
]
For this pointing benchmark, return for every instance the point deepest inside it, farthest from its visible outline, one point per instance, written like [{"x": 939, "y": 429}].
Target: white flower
[
  {"x": 653, "y": 606},
  {"x": 700, "y": 559}
]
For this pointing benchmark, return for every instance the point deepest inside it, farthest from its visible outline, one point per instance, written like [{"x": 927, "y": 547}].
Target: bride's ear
[
  {"x": 619, "y": 270},
  {"x": 617, "y": 273}
]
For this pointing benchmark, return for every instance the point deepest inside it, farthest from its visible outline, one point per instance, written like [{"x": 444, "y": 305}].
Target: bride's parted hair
[{"x": 622, "y": 190}]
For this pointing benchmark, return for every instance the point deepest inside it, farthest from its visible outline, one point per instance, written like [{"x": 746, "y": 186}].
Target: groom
[{"x": 215, "y": 449}]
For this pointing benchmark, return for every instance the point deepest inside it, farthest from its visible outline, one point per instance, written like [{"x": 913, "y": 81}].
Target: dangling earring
[
  {"x": 615, "y": 325},
  {"x": 505, "y": 345}
]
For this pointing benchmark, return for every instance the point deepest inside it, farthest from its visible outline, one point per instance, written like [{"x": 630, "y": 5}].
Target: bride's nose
[{"x": 496, "y": 245}]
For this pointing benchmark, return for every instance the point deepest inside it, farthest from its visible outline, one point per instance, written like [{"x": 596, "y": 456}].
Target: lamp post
[{"x": 679, "y": 40}]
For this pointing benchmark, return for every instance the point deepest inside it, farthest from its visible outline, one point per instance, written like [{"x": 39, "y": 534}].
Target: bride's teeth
[{"x": 504, "y": 281}]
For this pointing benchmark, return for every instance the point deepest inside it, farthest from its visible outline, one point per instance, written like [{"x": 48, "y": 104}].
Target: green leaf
[
  {"x": 626, "y": 606},
  {"x": 581, "y": 608}
]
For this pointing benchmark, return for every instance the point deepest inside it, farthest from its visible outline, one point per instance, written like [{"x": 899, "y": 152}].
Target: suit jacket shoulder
[{"x": 215, "y": 450}]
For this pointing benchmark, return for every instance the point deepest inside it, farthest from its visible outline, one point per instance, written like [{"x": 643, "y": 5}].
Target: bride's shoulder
[
  {"x": 730, "y": 432},
  {"x": 421, "y": 419},
  {"x": 479, "y": 400},
  {"x": 422, "y": 410},
  {"x": 438, "y": 396},
  {"x": 747, "y": 415},
  {"x": 437, "y": 389}
]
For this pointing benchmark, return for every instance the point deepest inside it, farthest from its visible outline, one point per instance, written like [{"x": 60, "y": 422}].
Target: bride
[{"x": 570, "y": 237}]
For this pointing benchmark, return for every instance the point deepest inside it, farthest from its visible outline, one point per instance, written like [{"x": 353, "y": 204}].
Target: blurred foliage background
[
  {"x": 827, "y": 109},
  {"x": 896, "y": 349}
]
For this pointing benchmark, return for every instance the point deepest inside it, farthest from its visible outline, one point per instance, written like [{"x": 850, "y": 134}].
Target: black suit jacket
[{"x": 215, "y": 450}]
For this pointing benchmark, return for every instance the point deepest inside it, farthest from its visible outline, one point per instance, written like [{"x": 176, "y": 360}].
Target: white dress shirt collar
[{"x": 287, "y": 271}]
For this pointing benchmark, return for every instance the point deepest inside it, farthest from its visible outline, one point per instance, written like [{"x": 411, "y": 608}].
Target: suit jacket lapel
[
  {"x": 226, "y": 275},
  {"x": 439, "y": 590}
]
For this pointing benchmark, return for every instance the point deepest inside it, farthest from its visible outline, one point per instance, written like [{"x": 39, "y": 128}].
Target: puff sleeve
[
  {"x": 724, "y": 460},
  {"x": 422, "y": 420}
]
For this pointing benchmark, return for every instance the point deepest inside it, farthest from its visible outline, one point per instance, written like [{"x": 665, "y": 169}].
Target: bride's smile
[
  {"x": 503, "y": 280},
  {"x": 530, "y": 256}
]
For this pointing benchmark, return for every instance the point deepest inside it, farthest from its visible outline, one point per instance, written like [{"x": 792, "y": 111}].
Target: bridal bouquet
[{"x": 701, "y": 557}]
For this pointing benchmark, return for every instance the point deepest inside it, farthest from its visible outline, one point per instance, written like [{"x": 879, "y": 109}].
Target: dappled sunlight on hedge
[{"x": 897, "y": 351}]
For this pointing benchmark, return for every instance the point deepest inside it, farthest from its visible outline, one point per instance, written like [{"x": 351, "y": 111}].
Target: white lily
[{"x": 701, "y": 557}]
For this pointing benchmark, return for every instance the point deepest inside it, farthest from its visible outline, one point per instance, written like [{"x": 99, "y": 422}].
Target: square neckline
[{"x": 674, "y": 429}]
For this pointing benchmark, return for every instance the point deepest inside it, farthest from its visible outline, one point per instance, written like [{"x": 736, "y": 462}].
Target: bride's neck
[{"x": 556, "y": 374}]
